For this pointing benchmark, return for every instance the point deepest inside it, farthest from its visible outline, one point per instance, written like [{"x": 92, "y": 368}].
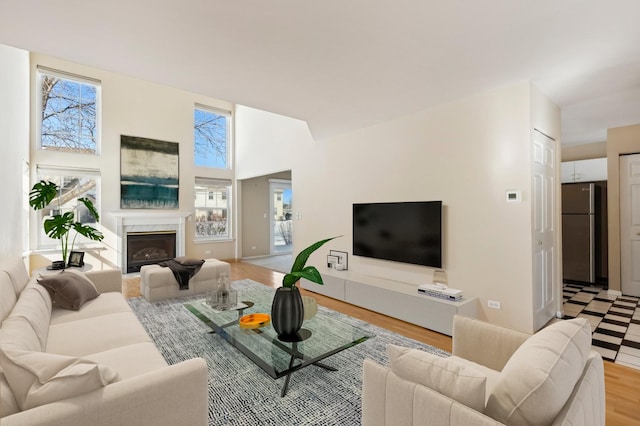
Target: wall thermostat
[{"x": 513, "y": 196}]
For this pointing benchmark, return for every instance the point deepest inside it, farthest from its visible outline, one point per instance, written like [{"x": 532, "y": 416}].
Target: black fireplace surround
[{"x": 148, "y": 248}]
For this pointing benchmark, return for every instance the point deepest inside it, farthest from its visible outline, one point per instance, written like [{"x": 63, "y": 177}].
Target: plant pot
[{"x": 287, "y": 313}]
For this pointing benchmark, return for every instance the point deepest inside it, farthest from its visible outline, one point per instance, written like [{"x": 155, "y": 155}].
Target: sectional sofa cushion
[
  {"x": 8, "y": 404},
  {"x": 92, "y": 335},
  {"x": 539, "y": 377},
  {"x": 34, "y": 306},
  {"x": 444, "y": 375},
  {"x": 7, "y": 295},
  {"x": 17, "y": 333},
  {"x": 69, "y": 289},
  {"x": 38, "y": 378},
  {"x": 17, "y": 272},
  {"x": 107, "y": 303}
]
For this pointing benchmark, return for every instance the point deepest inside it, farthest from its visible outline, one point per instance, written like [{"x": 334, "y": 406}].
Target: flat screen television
[{"x": 409, "y": 232}]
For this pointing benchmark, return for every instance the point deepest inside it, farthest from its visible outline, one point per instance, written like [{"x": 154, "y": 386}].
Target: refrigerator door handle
[{"x": 592, "y": 250}]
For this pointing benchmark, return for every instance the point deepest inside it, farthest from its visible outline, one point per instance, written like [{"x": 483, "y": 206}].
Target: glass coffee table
[{"x": 320, "y": 337}]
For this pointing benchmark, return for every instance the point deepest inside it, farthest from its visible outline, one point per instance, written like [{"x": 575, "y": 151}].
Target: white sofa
[
  {"x": 92, "y": 366},
  {"x": 495, "y": 376}
]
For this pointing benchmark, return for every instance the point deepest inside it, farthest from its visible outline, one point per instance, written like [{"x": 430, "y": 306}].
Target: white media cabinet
[{"x": 395, "y": 299}]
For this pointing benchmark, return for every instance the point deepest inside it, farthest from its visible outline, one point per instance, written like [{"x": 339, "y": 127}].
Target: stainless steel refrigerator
[{"x": 578, "y": 232}]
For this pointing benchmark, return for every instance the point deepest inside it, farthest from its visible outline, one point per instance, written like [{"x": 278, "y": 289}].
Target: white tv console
[{"x": 396, "y": 299}]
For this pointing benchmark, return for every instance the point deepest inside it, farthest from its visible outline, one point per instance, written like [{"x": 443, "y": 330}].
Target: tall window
[
  {"x": 213, "y": 209},
  {"x": 74, "y": 184},
  {"x": 69, "y": 119},
  {"x": 211, "y": 137}
]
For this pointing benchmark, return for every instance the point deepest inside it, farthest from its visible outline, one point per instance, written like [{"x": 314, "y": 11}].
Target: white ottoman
[{"x": 158, "y": 283}]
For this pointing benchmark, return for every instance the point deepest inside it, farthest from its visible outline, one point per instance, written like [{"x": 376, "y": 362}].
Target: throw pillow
[
  {"x": 187, "y": 261},
  {"x": 69, "y": 290},
  {"x": 540, "y": 376},
  {"x": 38, "y": 378},
  {"x": 444, "y": 375}
]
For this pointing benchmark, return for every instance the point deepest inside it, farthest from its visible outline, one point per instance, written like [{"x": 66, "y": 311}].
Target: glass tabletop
[{"x": 322, "y": 335}]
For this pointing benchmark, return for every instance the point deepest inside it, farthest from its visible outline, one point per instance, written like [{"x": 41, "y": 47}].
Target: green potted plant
[
  {"x": 287, "y": 310},
  {"x": 59, "y": 226}
]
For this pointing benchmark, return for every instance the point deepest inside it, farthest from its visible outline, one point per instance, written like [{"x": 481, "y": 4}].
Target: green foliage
[
  {"x": 299, "y": 270},
  {"x": 59, "y": 226}
]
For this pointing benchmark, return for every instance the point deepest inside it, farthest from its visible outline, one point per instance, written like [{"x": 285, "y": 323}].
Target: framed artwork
[
  {"x": 149, "y": 173},
  {"x": 76, "y": 258},
  {"x": 342, "y": 257}
]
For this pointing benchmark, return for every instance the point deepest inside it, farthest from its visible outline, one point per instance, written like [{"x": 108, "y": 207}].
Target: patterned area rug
[{"x": 240, "y": 393}]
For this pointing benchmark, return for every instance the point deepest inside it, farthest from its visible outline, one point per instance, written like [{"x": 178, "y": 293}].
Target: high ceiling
[{"x": 341, "y": 65}]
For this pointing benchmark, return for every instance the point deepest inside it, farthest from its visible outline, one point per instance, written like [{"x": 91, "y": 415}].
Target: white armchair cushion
[
  {"x": 540, "y": 376},
  {"x": 444, "y": 375},
  {"x": 38, "y": 378}
]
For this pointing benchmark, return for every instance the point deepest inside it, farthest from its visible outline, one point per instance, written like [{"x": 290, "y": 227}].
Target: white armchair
[{"x": 495, "y": 376}]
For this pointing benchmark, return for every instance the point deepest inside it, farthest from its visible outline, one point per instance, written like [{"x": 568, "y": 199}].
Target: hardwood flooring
[{"x": 622, "y": 384}]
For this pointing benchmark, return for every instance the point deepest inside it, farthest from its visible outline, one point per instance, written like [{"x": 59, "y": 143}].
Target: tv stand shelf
[{"x": 396, "y": 299}]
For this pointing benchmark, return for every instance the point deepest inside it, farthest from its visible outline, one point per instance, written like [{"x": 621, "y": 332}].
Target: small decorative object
[
  {"x": 58, "y": 226},
  {"x": 287, "y": 310},
  {"x": 76, "y": 258},
  {"x": 342, "y": 260},
  {"x": 223, "y": 297},
  {"x": 56, "y": 265},
  {"x": 253, "y": 321}
]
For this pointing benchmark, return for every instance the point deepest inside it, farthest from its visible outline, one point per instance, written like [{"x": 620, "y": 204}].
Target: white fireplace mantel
[{"x": 149, "y": 221}]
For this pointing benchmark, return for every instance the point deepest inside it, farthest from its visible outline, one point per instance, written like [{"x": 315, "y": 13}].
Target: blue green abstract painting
[{"x": 149, "y": 173}]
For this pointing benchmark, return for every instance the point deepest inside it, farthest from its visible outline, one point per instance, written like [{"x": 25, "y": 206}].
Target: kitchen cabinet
[{"x": 593, "y": 170}]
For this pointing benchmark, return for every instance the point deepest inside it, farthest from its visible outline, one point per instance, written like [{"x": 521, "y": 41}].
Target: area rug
[{"x": 240, "y": 393}]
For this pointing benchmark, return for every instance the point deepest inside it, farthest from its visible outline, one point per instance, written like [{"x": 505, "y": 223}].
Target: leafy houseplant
[
  {"x": 287, "y": 310},
  {"x": 59, "y": 225}
]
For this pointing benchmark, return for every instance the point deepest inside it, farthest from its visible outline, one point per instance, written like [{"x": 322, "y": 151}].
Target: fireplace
[
  {"x": 147, "y": 248},
  {"x": 148, "y": 222}
]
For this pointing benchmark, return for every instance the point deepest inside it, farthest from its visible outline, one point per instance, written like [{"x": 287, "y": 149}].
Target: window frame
[
  {"x": 228, "y": 135},
  {"x": 40, "y": 72},
  {"x": 43, "y": 242},
  {"x": 211, "y": 184}
]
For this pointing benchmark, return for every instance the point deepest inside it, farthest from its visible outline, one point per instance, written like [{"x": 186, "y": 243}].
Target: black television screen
[{"x": 409, "y": 232}]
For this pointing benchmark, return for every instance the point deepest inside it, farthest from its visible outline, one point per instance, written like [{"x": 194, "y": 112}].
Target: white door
[
  {"x": 544, "y": 228},
  {"x": 630, "y": 224}
]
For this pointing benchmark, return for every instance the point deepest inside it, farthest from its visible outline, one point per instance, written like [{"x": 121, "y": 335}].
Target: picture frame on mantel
[{"x": 149, "y": 173}]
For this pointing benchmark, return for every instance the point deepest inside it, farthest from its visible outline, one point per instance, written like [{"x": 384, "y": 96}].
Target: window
[
  {"x": 68, "y": 112},
  {"x": 74, "y": 184},
  {"x": 211, "y": 137},
  {"x": 213, "y": 209}
]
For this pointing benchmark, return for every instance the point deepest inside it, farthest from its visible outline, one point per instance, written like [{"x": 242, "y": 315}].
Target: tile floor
[{"x": 615, "y": 321}]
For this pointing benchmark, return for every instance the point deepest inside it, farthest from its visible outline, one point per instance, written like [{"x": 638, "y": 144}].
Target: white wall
[
  {"x": 268, "y": 143},
  {"x": 14, "y": 142},
  {"x": 137, "y": 108},
  {"x": 467, "y": 154}
]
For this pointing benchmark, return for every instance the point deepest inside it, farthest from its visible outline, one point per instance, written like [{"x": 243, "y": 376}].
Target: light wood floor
[{"x": 622, "y": 384}]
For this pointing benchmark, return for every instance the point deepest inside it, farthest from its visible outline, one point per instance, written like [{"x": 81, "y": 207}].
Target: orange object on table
[{"x": 255, "y": 320}]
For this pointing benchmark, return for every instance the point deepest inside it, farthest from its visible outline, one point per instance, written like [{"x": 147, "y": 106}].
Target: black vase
[{"x": 287, "y": 312}]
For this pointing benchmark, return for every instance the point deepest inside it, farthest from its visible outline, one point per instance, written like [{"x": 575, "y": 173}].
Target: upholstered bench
[{"x": 159, "y": 283}]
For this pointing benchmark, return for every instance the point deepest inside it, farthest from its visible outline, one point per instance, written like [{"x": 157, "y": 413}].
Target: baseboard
[{"x": 617, "y": 293}]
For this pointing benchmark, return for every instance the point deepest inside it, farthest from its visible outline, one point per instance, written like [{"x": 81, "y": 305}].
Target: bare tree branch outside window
[
  {"x": 210, "y": 139},
  {"x": 68, "y": 121}
]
